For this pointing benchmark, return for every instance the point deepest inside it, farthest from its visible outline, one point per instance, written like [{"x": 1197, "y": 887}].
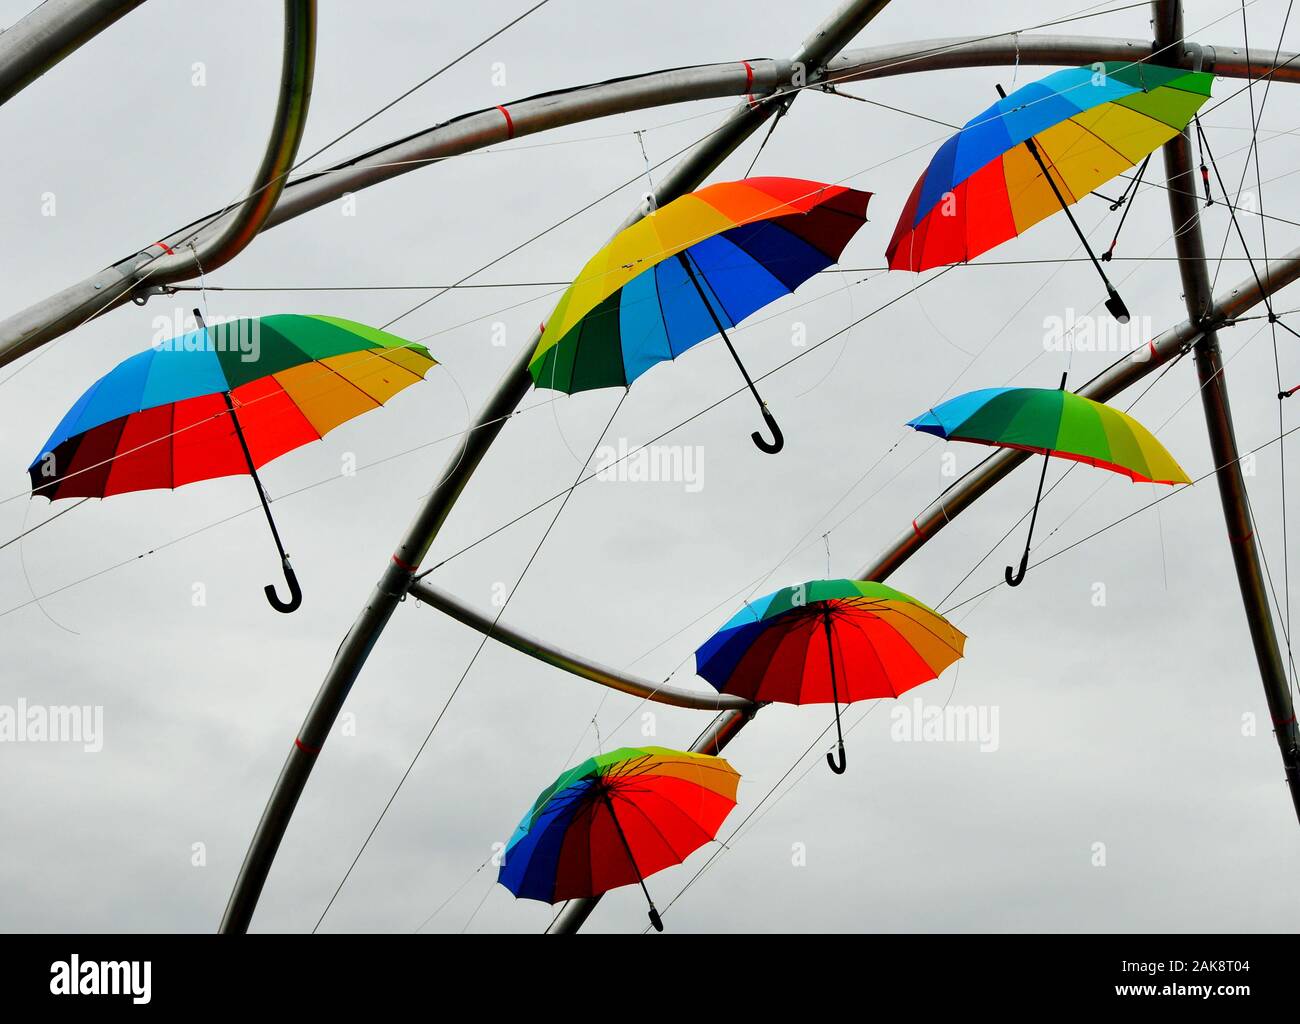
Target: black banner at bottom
[{"x": 151, "y": 973}]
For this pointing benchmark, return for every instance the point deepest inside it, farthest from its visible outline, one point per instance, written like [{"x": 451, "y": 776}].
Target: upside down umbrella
[
  {"x": 1042, "y": 148},
  {"x": 222, "y": 401},
  {"x": 616, "y": 818},
  {"x": 829, "y": 641},
  {"x": 689, "y": 271},
  {"x": 1056, "y": 423}
]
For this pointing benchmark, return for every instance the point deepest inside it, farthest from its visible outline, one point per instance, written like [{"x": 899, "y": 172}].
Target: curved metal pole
[
  {"x": 159, "y": 263},
  {"x": 470, "y": 132},
  {"x": 47, "y": 35},
  {"x": 1184, "y": 209},
  {"x": 849, "y": 18},
  {"x": 585, "y": 668}
]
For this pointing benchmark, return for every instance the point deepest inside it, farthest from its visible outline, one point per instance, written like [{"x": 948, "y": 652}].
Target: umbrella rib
[
  {"x": 764, "y": 266},
  {"x": 112, "y": 460},
  {"x": 684, "y": 816},
  {"x": 663, "y": 318},
  {"x": 875, "y": 653},
  {"x": 654, "y": 827},
  {"x": 382, "y": 353},
  {"x": 924, "y": 626},
  {"x": 1105, "y": 144},
  {"x": 171, "y": 447},
  {"x": 375, "y": 403},
  {"x": 704, "y": 283}
]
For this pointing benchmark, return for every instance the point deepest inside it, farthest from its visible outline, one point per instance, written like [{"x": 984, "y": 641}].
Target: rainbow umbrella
[
  {"x": 1057, "y": 423},
  {"x": 688, "y": 271},
  {"x": 829, "y": 641},
  {"x": 616, "y": 818},
  {"x": 221, "y": 401},
  {"x": 991, "y": 181}
]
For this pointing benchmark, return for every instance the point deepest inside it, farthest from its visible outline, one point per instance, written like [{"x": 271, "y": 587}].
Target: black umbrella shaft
[
  {"x": 609, "y": 804},
  {"x": 835, "y": 693},
  {"x": 1033, "y": 149},
  {"x": 685, "y": 261},
  {"x": 1033, "y": 516},
  {"x": 252, "y": 470},
  {"x": 1042, "y": 477}
]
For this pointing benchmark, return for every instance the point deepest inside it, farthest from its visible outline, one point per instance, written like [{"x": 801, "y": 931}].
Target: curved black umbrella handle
[
  {"x": 1115, "y": 306},
  {"x": 778, "y": 439},
  {"x": 295, "y": 592},
  {"x": 837, "y": 760},
  {"x": 1015, "y": 579}
]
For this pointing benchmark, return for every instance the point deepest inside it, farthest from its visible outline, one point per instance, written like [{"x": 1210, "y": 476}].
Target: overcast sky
[{"x": 1119, "y": 724}]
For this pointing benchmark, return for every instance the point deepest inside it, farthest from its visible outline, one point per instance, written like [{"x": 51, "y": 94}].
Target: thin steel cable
[{"x": 465, "y": 674}]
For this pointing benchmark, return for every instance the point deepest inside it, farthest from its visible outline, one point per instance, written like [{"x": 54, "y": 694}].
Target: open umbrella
[
  {"x": 616, "y": 818},
  {"x": 1042, "y": 148},
  {"x": 829, "y": 641},
  {"x": 1056, "y": 423},
  {"x": 688, "y": 271},
  {"x": 221, "y": 401}
]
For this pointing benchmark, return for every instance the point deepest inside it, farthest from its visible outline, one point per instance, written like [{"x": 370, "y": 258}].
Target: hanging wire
[
  {"x": 1255, "y": 121},
  {"x": 1123, "y": 201},
  {"x": 474, "y": 658}
]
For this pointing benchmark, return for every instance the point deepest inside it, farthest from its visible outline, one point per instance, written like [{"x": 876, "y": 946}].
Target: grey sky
[{"x": 1119, "y": 724}]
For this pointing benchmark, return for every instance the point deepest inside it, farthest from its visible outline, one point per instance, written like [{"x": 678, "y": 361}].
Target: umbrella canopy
[
  {"x": 986, "y": 185},
  {"x": 221, "y": 401},
  {"x": 615, "y": 819},
  {"x": 689, "y": 271},
  {"x": 159, "y": 419},
  {"x": 829, "y": 641},
  {"x": 1055, "y": 422}
]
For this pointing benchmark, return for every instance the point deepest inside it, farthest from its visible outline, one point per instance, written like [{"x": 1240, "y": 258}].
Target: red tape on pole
[{"x": 510, "y": 122}]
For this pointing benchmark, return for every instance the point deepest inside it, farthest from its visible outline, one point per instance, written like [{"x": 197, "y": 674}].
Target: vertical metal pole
[
  {"x": 829, "y": 39},
  {"x": 1167, "y": 18}
]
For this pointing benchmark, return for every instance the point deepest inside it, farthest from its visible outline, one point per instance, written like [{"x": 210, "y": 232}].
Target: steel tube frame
[
  {"x": 397, "y": 577},
  {"x": 230, "y": 232},
  {"x": 1184, "y": 209},
  {"x": 49, "y": 318},
  {"x": 52, "y": 31},
  {"x": 585, "y": 668}
]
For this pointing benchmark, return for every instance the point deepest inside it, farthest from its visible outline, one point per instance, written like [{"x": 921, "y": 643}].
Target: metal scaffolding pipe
[
  {"x": 477, "y": 130},
  {"x": 1052, "y": 50},
  {"x": 209, "y": 246},
  {"x": 848, "y": 19},
  {"x": 1184, "y": 209},
  {"x": 585, "y": 668},
  {"x": 56, "y": 28}
]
